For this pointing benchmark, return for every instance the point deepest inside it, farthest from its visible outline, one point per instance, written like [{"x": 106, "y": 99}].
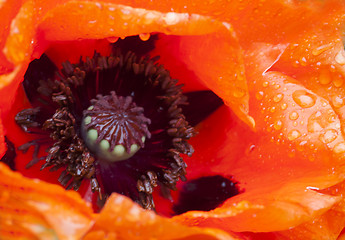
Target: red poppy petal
[{"x": 327, "y": 226}]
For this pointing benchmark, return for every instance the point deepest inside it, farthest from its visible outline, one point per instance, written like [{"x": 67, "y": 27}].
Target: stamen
[{"x": 27, "y": 118}]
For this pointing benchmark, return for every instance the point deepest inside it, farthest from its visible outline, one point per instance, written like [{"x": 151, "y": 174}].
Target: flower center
[
  {"x": 116, "y": 121},
  {"x": 115, "y": 127}
]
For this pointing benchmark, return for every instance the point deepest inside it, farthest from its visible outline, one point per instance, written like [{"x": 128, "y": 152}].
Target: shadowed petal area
[
  {"x": 201, "y": 104},
  {"x": 10, "y": 155},
  {"x": 205, "y": 193}
]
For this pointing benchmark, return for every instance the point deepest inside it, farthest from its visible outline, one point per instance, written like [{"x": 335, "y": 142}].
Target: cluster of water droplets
[{"x": 300, "y": 117}]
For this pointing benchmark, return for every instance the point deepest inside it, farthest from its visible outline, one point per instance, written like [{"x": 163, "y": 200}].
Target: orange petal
[
  {"x": 35, "y": 27},
  {"x": 305, "y": 133},
  {"x": 29, "y": 208},
  {"x": 122, "y": 219},
  {"x": 217, "y": 62},
  {"x": 328, "y": 226},
  {"x": 276, "y": 195}
]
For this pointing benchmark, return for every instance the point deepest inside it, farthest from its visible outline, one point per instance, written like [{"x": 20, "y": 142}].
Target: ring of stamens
[{"x": 60, "y": 109}]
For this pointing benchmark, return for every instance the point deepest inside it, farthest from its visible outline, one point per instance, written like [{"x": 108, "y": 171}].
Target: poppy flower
[{"x": 277, "y": 65}]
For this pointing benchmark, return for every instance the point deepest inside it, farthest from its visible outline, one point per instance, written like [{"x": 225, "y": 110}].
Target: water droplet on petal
[
  {"x": 259, "y": 95},
  {"x": 317, "y": 51},
  {"x": 112, "y": 39},
  {"x": 338, "y": 81},
  {"x": 303, "y": 61},
  {"x": 265, "y": 84},
  {"x": 329, "y": 136},
  {"x": 337, "y": 101},
  {"x": 293, "y": 115},
  {"x": 304, "y": 98},
  {"x": 277, "y": 125},
  {"x": 300, "y": 147},
  {"x": 339, "y": 148},
  {"x": 340, "y": 57},
  {"x": 324, "y": 77},
  {"x": 293, "y": 134},
  {"x": 315, "y": 122},
  {"x": 144, "y": 36},
  {"x": 283, "y": 106},
  {"x": 278, "y": 97},
  {"x": 238, "y": 93}
]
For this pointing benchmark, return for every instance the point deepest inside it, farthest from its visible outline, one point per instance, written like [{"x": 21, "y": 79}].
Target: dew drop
[
  {"x": 293, "y": 116},
  {"x": 315, "y": 122},
  {"x": 112, "y": 39},
  {"x": 259, "y": 95},
  {"x": 338, "y": 82},
  {"x": 144, "y": 36},
  {"x": 331, "y": 117},
  {"x": 304, "y": 99},
  {"x": 273, "y": 109},
  {"x": 293, "y": 134},
  {"x": 329, "y": 136},
  {"x": 303, "y": 61},
  {"x": 265, "y": 84},
  {"x": 238, "y": 93},
  {"x": 337, "y": 101},
  {"x": 317, "y": 51},
  {"x": 283, "y": 106},
  {"x": 278, "y": 97},
  {"x": 339, "y": 148},
  {"x": 324, "y": 77},
  {"x": 340, "y": 57},
  {"x": 323, "y": 103},
  {"x": 300, "y": 147},
  {"x": 277, "y": 125}
]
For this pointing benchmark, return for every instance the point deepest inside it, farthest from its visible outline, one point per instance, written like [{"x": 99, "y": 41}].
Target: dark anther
[
  {"x": 27, "y": 118},
  {"x": 10, "y": 155}
]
